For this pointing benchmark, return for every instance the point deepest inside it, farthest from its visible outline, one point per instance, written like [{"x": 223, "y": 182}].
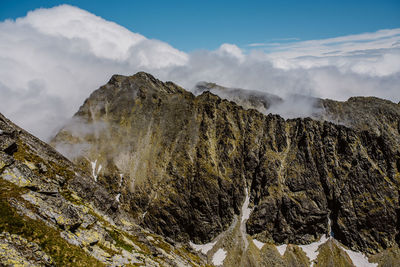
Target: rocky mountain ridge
[
  {"x": 185, "y": 166},
  {"x": 54, "y": 214},
  {"x": 361, "y": 113}
]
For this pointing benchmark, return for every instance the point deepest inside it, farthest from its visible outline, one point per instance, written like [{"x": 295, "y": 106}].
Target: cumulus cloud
[
  {"x": 231, "y": 50},
  {"x": 52, "y": 59}
]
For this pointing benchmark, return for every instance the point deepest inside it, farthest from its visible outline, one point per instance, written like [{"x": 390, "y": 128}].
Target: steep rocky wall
[
  {"x": 54, "y": 214},
  {"x": 181, "y": 165}
]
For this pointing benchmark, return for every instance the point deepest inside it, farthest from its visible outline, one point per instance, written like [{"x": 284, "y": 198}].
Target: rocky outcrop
[
  {"x": 17, "y": 251},
  {"x": 247, "y": 99},
  {"x": 379, "y": 116},
  {"x": 53, "y": 214},
  {"x": 181, "y": 166},
  {"x": 329, "y": 171}
]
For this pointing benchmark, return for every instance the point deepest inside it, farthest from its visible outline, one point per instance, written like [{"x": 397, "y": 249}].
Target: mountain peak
[
  {"x": 202, "y": 169},
  {"x": 137, "y": 76},
  {"x": 157, "y": 163},
  {"x": 121, "y": 92}
]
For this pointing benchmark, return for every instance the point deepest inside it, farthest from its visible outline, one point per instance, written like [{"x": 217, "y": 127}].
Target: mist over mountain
[
  {"x": 51, "y": 59},
  {"x": 121, "y": 150},
  {"x": 227, "y": 179},
  {"x": 160, "y": 176}
]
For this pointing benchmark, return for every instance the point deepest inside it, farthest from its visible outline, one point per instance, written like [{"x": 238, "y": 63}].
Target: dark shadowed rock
[
  {"x": 182, "y": 164},
  {"x": 52, "y": 213}
]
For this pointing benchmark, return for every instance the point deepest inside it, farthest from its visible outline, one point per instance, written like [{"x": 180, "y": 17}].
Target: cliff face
[
  {"x": 379, "y": 116},
  {"x": 183, "y": 165},
  {"x": 244, "y": 98},
  {"x": 53, "y": 214}
]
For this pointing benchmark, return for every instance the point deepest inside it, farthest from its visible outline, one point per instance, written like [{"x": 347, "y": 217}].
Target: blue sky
[{"x": 192, "y": 25}]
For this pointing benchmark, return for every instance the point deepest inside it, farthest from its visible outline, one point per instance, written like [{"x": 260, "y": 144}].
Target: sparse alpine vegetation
[{"x": 161, "y": 177}]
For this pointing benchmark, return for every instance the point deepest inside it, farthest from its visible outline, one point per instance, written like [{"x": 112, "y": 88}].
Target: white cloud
[
  {"x": 52, "y": 59},
  {"x": 375, "y": 54},
  {"x": 230, "y": 50},
  {"x": 105, "y": 39}
]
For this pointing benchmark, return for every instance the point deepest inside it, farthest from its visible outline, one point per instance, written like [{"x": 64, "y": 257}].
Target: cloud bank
[{"x": 52, "y": 59}]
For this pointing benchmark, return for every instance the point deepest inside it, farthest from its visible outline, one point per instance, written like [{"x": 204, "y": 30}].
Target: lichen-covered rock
[
  {"x": 379, "y": 116},
  {"x": 52, "y": 213},
  {"x": 331, "y": 255},
  {"x": 17, "y": 251}
]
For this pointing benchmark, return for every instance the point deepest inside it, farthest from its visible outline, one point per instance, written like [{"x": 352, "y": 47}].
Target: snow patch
[
  {"x": 144, "y": 214},
  {"x": 99, "y": 169},
  {"x": 121, "y": 178},
  {"x": 258, "y": 244},
  {"x": 203, "y": 248},
  {"x": 117, "y": 197},
  {"x": 245, "y": 208},
  {"x": 245, "y": 216},
  {"x": 95, "y": 172},
  {"x": 281, "y": 249},
  {"x": 359, "y": 259},
  {"x": 311, "y": 249},
  {"x": 93, "y": 163},
  {"x": 219, "y": 257}
]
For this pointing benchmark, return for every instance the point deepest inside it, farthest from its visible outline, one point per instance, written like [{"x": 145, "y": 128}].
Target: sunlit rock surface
[
  {"x": 163, "y": 177},
  {"x": 54, "y": 214},
  {"x": 187, "y": 161}
]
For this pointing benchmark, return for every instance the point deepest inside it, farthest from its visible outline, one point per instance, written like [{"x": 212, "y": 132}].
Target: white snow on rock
[
  {"x": 258, "y": 244},
  {"x": 203, "y": 248},
  {"x": 245, "y": 208},
  {"x": 219, "y": 257},
  {"x": 281, "y": 249},
  {"x": 99, "y": 169},
  {"x": 311, "y": 249},
  {"x": 95, "y": 172},
  {"x": 121, "y": 178},
  {"x": 93, "y": 163},
  {"x": 117, "y": 197},
  {"x": 144, "y": 214},
  {"x": 245, "y": 216},
  {"x": 359, "y": 259}
]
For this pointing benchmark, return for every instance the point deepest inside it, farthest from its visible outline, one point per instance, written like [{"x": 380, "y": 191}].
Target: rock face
[
  {"x": 53, "y": 214},
  {"x": 181, "y": 164},
  {"x": 245, "y": 98},
  {"x": 379, "y": 116}
]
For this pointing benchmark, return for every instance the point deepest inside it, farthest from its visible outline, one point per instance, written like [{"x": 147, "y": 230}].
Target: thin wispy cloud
[
  {"x": 383, "y": 39},
  {"x": 273, "y": 42},
  {"x": 264, "y": 44},
  {"x": 52, "y": 59},
  {"x": 373, "y": 54},
  {"x": 257, "y": 44}
]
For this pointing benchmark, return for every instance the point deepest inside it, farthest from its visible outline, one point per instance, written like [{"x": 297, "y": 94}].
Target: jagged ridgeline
[
  {"x": 159, "y": 173},
  {"x": 182, "y": 165}
]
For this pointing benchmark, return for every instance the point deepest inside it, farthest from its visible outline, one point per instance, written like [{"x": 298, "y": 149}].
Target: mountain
[
  {"x": 379, "y": 116},
  {"x": 239, "y": 185},
  {"x": 54, "y": 214},
  {"x": 246, "y": 98}
]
